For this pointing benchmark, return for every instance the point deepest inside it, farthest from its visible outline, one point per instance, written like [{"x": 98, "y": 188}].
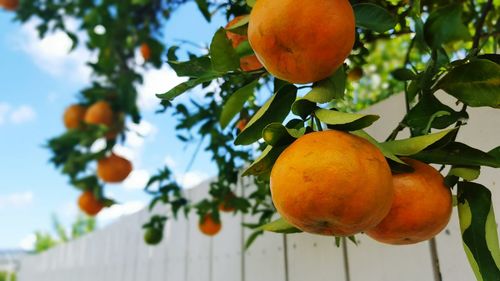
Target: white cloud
[
  {"x": 156, "y": 81},
  {"x": 170, "y": 162},
  {"x": 28, "y": 242},
  {"x": 52, "y": 53},
  {"x": 138, "y": 132},
  {"x": 192, "y": 179},
  {"x": 137, "y": 179},
  {"x": 119, "y": 210},
  {"x": 16, "y": 199},
  {"x": 22, "y": 114},
  {"x": 16, "y": 115}
]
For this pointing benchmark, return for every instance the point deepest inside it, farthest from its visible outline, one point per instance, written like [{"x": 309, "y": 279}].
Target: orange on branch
[
  {"x": 73, "y": 116},
  {"x": 113, "y": 169},
  {"x": 89, "y": 204},
  {"x": 355, "y": 74},
  {"x": 332, "y": 183},
  {"x": 247, "y": 63},
  {"x": 302, "y": 41},
  {"x": 145, "y": 51},
  {"x": 100, "y": 113},
  {"x": 209, "y": 226},
  {"x": 421, "y": 208},
  {"x": 226, "y": 204},
  {"x": 10, "y": 5}
]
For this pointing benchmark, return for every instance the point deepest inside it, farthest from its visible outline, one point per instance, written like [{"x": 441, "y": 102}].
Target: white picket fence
[{"x": 118, "y": 253}]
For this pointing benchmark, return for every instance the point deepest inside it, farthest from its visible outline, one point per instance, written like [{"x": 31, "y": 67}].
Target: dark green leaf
[
  {"x": 183, "y": 87},
  {"x": 264, "y": 163},
  {"x": 303, "y": 108},
  {"x": 276, "y": 134},
  {"x": 275, "y": 109},
  {"x": 235, "y": 103},
  {"x": 203, "y": 7},
  {"x": 403, "y": 74},
  {"x": 280, "y": 226},
  {"x": 193, "y": 68},
  {"x": 328, "y": 89},
  {"x": 345, "y": 121},
  {"x": 414, "y": 145},
  {"x": 479, "y": 230},
  {"x": 458, "y": 154},
  {"x": 224, "y": 57},
  {"x": 495, "y": 152},
  {"x": 445, "y": 25},
  {"x": 476, "y": 83},
  {"x": 374, "y": 17}
]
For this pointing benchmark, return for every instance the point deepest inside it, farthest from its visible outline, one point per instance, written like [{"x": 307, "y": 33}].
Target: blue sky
[{"x": 38, "y": 79}]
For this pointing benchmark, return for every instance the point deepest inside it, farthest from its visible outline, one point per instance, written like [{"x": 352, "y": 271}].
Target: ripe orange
[
  {"x": 355, "y": 74},
  {"x": 247, "y": 63},
  {"x": 421, "y": 208},
  {"x": 10, "y": 5},
  {"x": 73, "y": 116},
  {"x": 242, "y": 124},
  {"x": 225, "y": 205},
  {"x": 113, "y": 168},
  {"x": 209, "y": 226},
  {"x": 100, "y": 113},
  {"x": 89, "y": 204},
  {"x": 332, "y": 183},
  {"x": 145, "y": 51},
  {"x": 302, "y": 41}
]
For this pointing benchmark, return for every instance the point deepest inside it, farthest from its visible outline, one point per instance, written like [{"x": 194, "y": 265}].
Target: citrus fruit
[
  {"x": 302, "y": 41},
  {"x": 209, "y": 226},
  {"x": 73, "y": 116},
  {"x": 247, "y": 63},
  {"x": 10, "y": 5},
  {"x": 332, "y": 183},
  {"x": 226, "y": 204},
  {"x": 421, "y": 207},
  {"x": 145, "y": 51},
  {"x": 100, "y": 113},
  {"x": 113, "y": 169},
  {"x": 89, "y": 204},
  {"x": 153, "y": 236}
]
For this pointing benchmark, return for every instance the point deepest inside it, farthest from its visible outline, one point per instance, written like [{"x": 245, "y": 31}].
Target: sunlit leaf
[
  {"x": 280, "y": 226},
  {"x": 345, "y": 121},
  {"x": 414, "y": 145},
  {"x": 328, "y": 89},
  {"x": 235, "y": 103},
  {"x": 222, "y": 53}
]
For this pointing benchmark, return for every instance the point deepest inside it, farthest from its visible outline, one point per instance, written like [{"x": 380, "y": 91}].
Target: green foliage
[{"x": 4, "y": 275}]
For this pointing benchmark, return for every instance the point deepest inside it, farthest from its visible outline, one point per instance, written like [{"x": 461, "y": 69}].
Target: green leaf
[
  {"x": 414, "y": 145},
  {"x": 328, "y": 89},
  {"x": 280, "y": 226},
  {"x": 193, "y": 68},
  {"x": 275, "y": 134},
  {"x": 276, "y": 109},
  {"x": 403, "y": 74},
  {"x": 373, "y": 17},
  {"x": 388, "y": 154},
  {"x": 224, "y": 57},
  {"x": 241, "y": 22},
  {"x": 251, "y": 3},
  {"x": 495, "y": 152},
  {"x": 264, "y": 163},
  {"x": 476, "y": 83},
  {"x": 458, "y": 154},
  {"x": 303, "y": 108},
  {"x": 466, "y": 173},
  {"x": 244, "y": 49},
  {"x": 345, "y": 121},
  {"x": 203, "y": 7},
  {"x": 445, "y": 25},
  {"x": 183, "y": 87},
  {"x": 235, "y": 103},
  {"x": 479, "y": 230}
]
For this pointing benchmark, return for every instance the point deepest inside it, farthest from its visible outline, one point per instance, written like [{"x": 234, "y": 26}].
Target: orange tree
[{"x": 321, "y": 61}]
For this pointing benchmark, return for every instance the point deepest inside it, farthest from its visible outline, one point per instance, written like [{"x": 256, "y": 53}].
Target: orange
[
  {"x": 89, "y": 204},
  {"x": 332, "y": 183},
  {"x": 145, "y": 51},
  {"x": 247, "y": 63},
  {"x": 113, "y": 169},
  {"x": 10, "y": 5},
  {"x": 73, "y": 116},
  {"x": 209, "y": 226},
  {"x": 242, "y": 124},
  {"x": 421, "y": 208},
  {"x": 355, "y": 74},
  {"x": 302, "y": 41},
  {"x": 100, "y": 113},
  {"x": 226, "y": 204}
]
